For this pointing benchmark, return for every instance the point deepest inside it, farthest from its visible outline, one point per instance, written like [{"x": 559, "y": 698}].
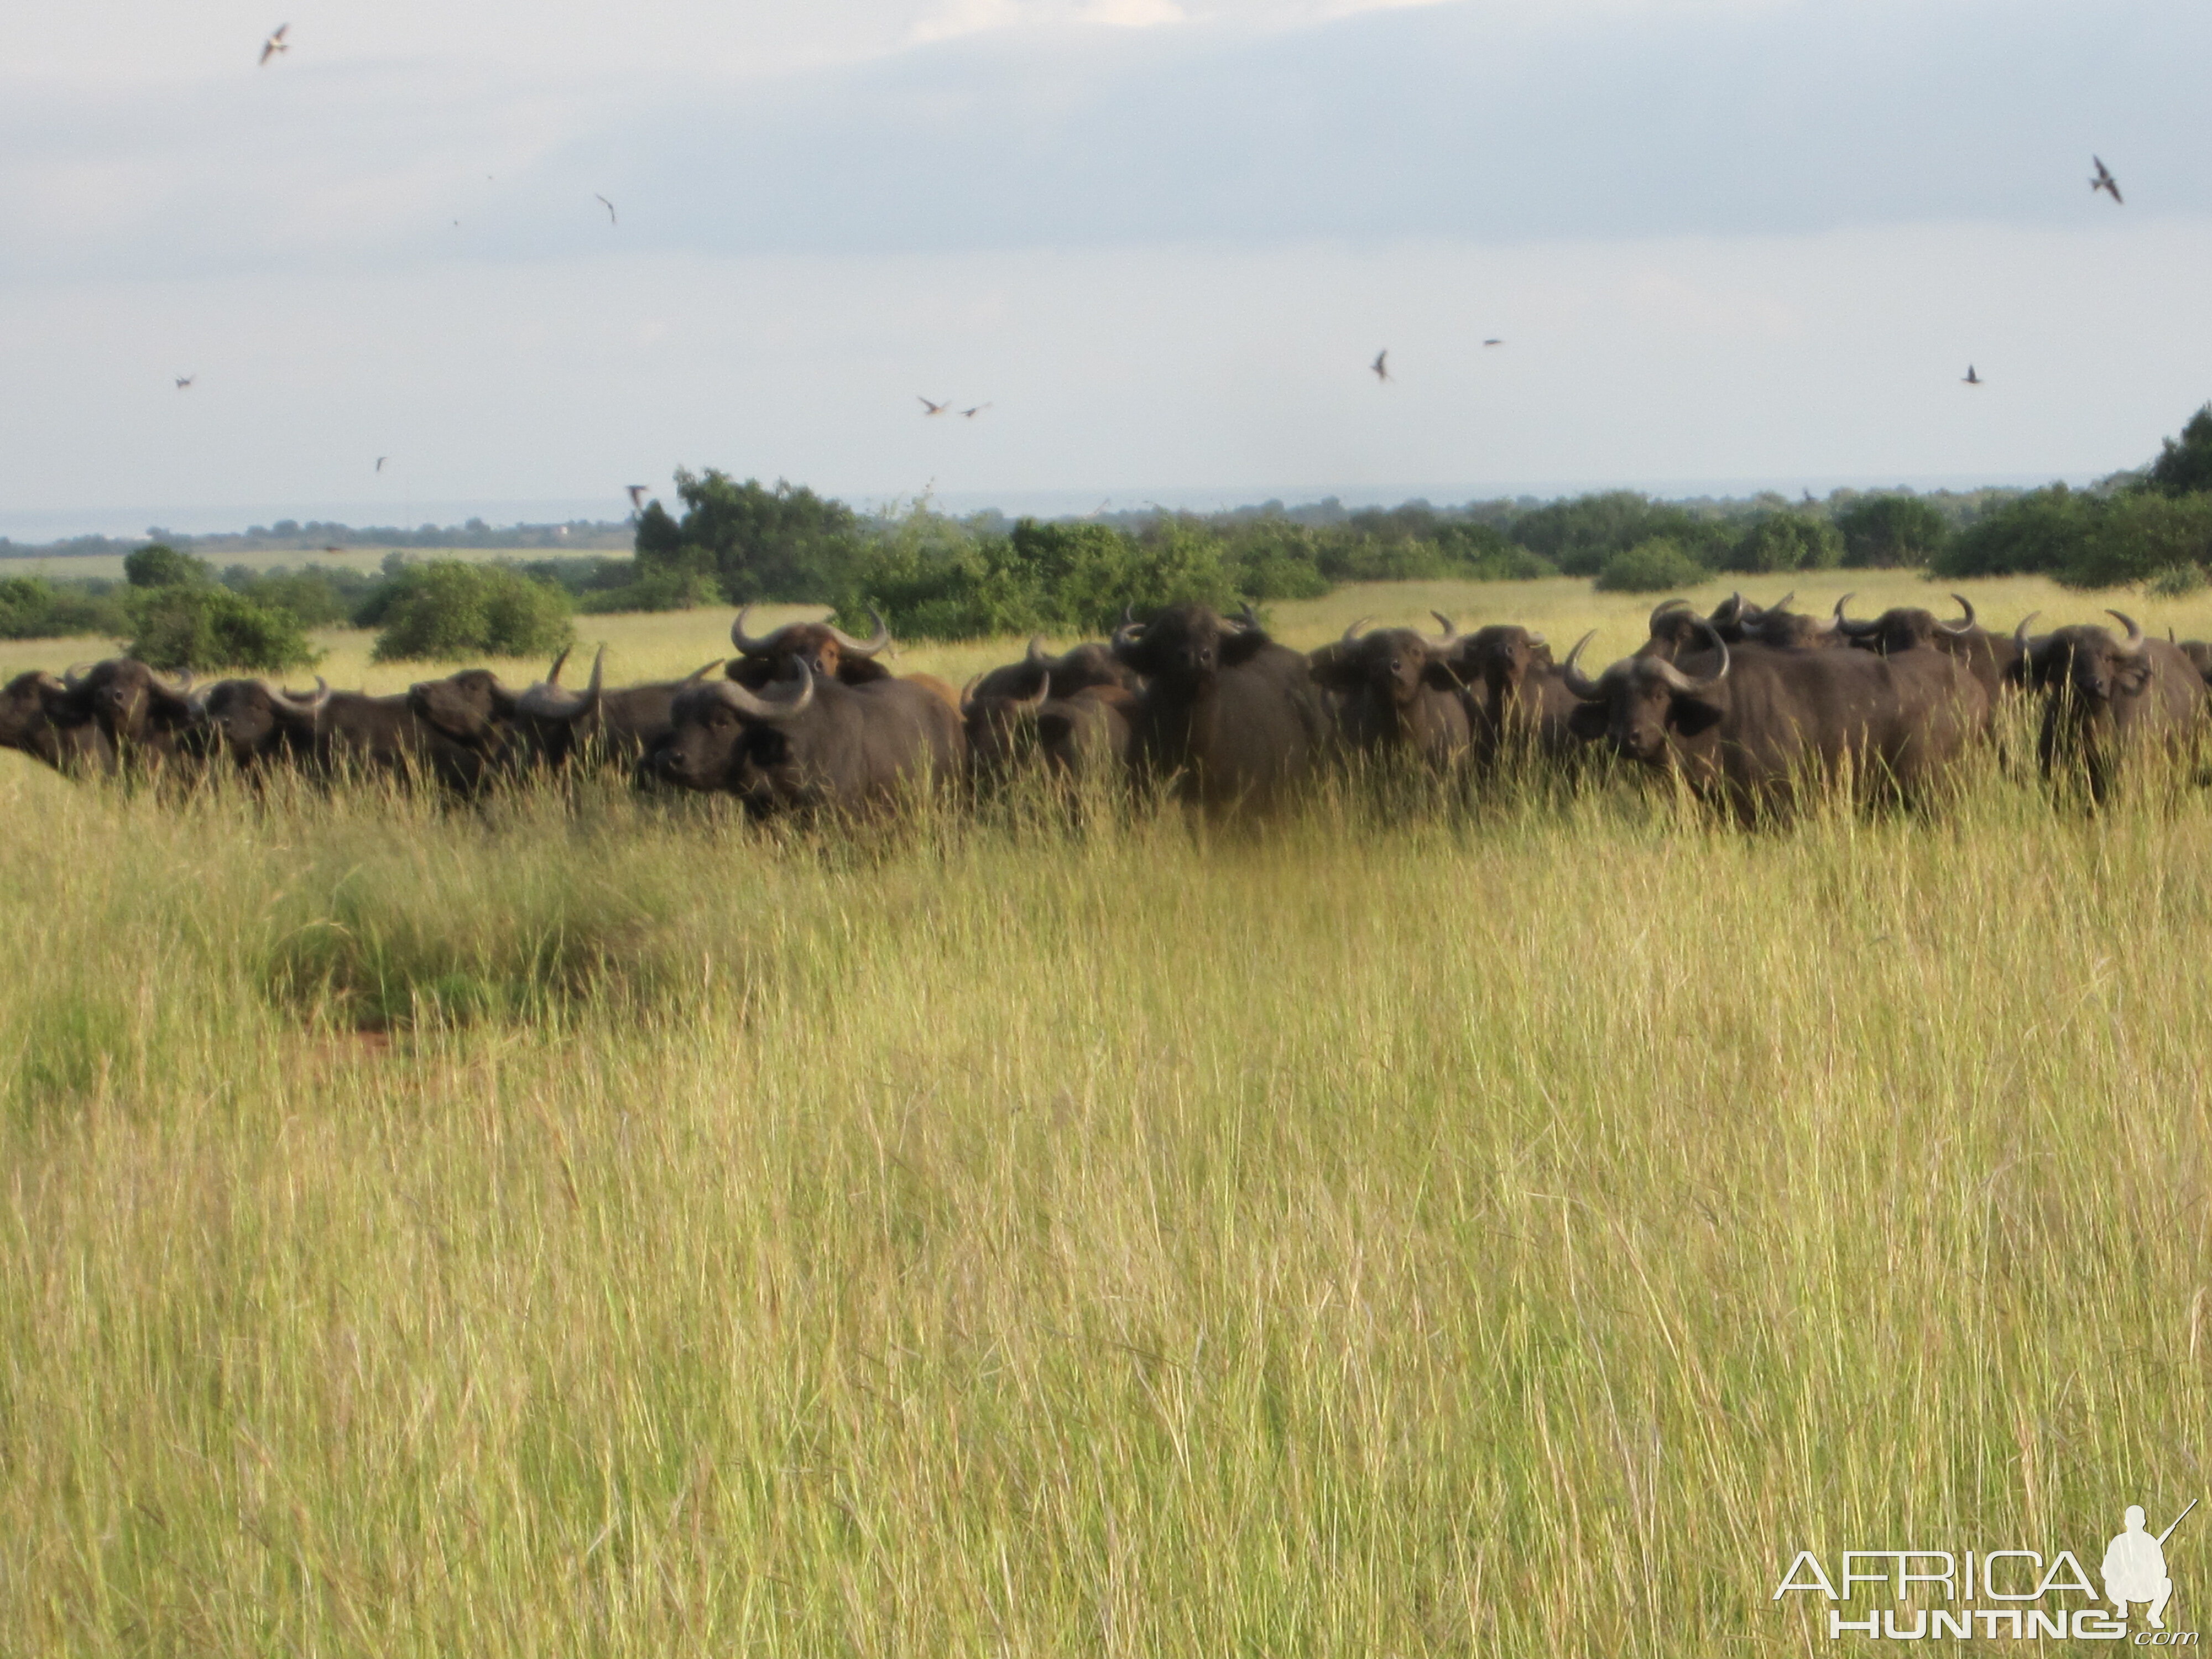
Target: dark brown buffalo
[
  {"x": 336, "y": 734},
  {"x": 148, "y": 722},
  {"x": 547, "y": 723},
  {"x": 2105, "y": 697},
  {"x": 1751, "y": 725},
  {"x": 39, "y": 717},
  {"x": 1989, "y": 657},
  {"x": 2198, "y": 652},
  {"x": 1085, "y": 736},
  {"x": 1229, "y": 719},
  {"x": 1076, "y": 669},
  {"x": 828, "y": 651},
  {"x": 1397, "y": 692},
  {"x": 808, "y": 742},
  {"x": 1517, "y": 694}
]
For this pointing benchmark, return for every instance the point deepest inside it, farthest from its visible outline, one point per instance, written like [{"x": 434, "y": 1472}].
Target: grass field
[{"x": 575, "y": 1226}]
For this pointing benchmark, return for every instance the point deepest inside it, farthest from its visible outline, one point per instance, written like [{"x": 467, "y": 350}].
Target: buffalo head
[
  {"x": 1642, "y": 702},
  {"x": 824, "y": 649},
  {"x": 1185, "y": 646},
  {"x": 1393, "y": 666}
]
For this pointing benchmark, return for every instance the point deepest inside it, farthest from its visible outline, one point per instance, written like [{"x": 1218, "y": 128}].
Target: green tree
[
  {"x": 2143, "y": 538},
  {"x": 1884, "y": 531},
  {"x": 157, "y": 564},
  {"x": 1786, "y": 541},
  {"x": 203, "y": 628},
  {"x": 2184, "y": 464},
  {"x": 2039, "y": 533},
  {"x": 449, "y": 611},
  {"x": 787, "y": 543},
  {"x": 1658, "y": 566}
]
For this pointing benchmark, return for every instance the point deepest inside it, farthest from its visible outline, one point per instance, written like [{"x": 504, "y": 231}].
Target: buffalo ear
[
  {"x": 2132, "y": 680},
  {"x": 1691, "y": 715},
  {"x": 1588, "y": 721},
  {"x": 1242, "y": 646}
]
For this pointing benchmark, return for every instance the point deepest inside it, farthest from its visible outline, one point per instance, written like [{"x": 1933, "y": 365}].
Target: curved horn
[
  {"x": 1580, "y": 684},
  {"x": 1449, "y": 637},
  {"x": 1965, "y": 625},
  {"x": 1030, "y": 705},
  {"x": 1127, "y": 636},
  {"x": 753, "y": 705},
  {"x": 753, "y": 645},
  {"x": 2133, "y": 645},
  {"x": 1781, "y": 604},
  {"x": 1035, "y": 656},
  {"x": 549, "y": 701},
  {"x": 1249, "y": 618},
  {"x": 73, "y": 676},
  {"x": 868, "y": 647},
  {"x": 1664, "y": 607},
  {"x": 553, "y": 674},
  {"x": 299, "y": 702},
  {"x": 1681, "y": 681},
  {"x": 1351, "y": 634},
  {"x": 700, "y": 672},
  {"x": 1858, "y": 631},
  {"x": 2020, "y": 634},
  {"x": 968, "y": 691}
]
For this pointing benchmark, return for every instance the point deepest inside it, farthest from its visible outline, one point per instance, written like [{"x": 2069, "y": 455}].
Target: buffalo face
[
  {"x": 819, "y": 646},
  {"x": 1185, "y": 646},
  {"x": 470, "y": 707},
  {"x": 726, "y": 736},
  {"x": 1642, "y": 705},
  {"x": 249, "y": 719}
]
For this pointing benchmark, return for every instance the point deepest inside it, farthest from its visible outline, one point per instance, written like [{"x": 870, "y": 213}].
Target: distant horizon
[{"x": 44, "y": 525}]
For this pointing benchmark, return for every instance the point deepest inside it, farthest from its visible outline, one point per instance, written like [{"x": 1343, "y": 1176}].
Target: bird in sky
[
  {"x": 2105, "y": 182},
  {"x": 184, "y": 381},
  {"x": 970, "y": 414},
  {"x": 636, "y": 497},
  {"x": 1971, "y": 377},
  {"x": 275, "y": 44},
  {"x": 929, "y": 408},
  {"x": 1492, "y": 342},
  {"x": 1382, "y": 370},
  {"x": 380, "y": 460},
  {"x": 608, "y": 206}
]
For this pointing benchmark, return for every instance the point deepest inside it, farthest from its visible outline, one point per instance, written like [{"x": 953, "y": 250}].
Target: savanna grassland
[{"x": 572, "y": 1225}]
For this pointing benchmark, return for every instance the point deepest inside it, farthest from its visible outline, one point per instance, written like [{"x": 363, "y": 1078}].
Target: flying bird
[
  {"x": 1492, "y": 342},
  {"x": 380, "y": 460},
  {"x": 2105, "y": 182},
  {"x": 1381, "y": 371},
  {"x": 636, "y": 497},
  {"x": 1971, "y": 377},
  {"x": 184, "y": 380},
  {"x": 608, "y": 206},
  {"x": 275, "y": 44},
  {"x": 970, "y": 414},
  {"x": 929, "y": 408}
]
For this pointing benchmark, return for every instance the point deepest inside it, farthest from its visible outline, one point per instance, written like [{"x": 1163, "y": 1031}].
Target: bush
[
  {"x": 1657, "y": 565},
  {"x": 2138, "y": 537},
  {"x": 448, "y": 611},
  {"x": 2184, "y": 464},
  {"x": 159, "y": 565},
  {"x": 1786, "y": 541},
  {"x": 2041, "y": 533},
  {"x": 661, "y": 590},
  {"x": 1885, "y": 531},
  {"x": 206, "y": 628},
  {"x": 2177, "y": 581},
  {"x": 759, "y": 543}
]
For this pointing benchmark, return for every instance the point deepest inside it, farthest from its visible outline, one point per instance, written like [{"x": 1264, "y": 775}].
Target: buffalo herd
[{"x": 1750, "y": 706}]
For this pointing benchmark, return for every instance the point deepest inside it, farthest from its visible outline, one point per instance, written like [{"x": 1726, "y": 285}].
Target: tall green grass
[{"x": 580, "y": 1225}]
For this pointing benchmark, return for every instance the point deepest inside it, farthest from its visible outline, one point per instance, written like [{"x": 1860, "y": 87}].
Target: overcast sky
[{"x": 1742, "y": 241}]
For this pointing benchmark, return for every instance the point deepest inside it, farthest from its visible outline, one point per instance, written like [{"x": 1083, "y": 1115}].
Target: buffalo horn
[
  {"x": 549, "y": 702},
  {"x": 751, "y": 703},
  {"x": 2020, "y": 634},
  {"x": 1681, "y": 681},
  {"x": 1249, "y": 618},
  {"x": 753, "y": 645},
  {"x": 1035, "y": 656},
  {"x": 1127, "y": 636},
  {"x": 1965, "y": 625},
  {"x": 1580, "y": 684},
  {"x": 701, "y": 672},
  {"x": 1858, "y": 631},
  {"x": 73, "y": 676},
  {"x": 2133, "y": 645},
  {"x": 553, "y": 674},
  {"x": 968, "y": 691},
  {"x": 1351, "y": 634},
  {"x": 868, "y": 647},
  {"x": 1664, "y": 607},
  {"x": 1044, "y": 690},
  {"x": 1451, "y": 636}
]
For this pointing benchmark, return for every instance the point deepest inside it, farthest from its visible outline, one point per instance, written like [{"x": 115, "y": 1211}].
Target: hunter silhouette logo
[
  {"x": 2135, "y": 1567},
  {"x": 1919, "y": 1595}
]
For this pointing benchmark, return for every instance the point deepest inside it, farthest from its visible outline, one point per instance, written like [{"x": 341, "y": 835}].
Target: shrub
[
  {"x": 2139, "y": 537},
  {"x": 2177, "y": 581},
  {"x": 1786, "y": 541},
  {"x": 1884, "y": 531},
  {"x": 159, "y": 565},
  {"x": 448, "y": 610},
  {"x": 205, "y": 628},
  {"x": 2041, "y": 532},
  {"x": 2184, "y": 464},
  {"x": 659, "y": 590},
  {"x": 787, "y": 543},
  {"x": 1653, "y": 566}
]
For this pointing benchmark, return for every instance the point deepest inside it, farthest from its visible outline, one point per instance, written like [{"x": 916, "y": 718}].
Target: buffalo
[
  {"x": 148, "y": 722},
  {"x": 1085, "y": 736},
  {"x": 1516, "y": 692},
  {"x": 1077, "y": 669},
  {"x": 335, "y": 734},
  {"x": 547, "y": 723},
  {"x": 2103, "y": 698},
  {"x": 1398, "y": 693},
  {"x": 826, "y": 650},
  {"x": 815, "y": 743},
  {"x": 1229, "y": 719},
  {"x": 1750, "y": 725},
  {"x": 40, "y": 718},
  {"x": 1991, "y": 658}
]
